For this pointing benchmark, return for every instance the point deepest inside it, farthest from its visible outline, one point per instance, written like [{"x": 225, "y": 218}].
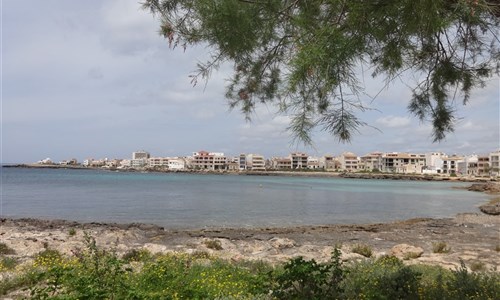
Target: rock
[
  {"x": 489, "y": 187},
  {"x": 491, "y": 209},
  {"x": 405, "y": 251},
  {"x": 352, "y": 257},
  {"x": 282, "y": 243}
]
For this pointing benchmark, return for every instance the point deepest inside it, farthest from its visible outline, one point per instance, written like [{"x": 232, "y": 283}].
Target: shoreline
[
  {"x": 472, "y": 238},
  {"x": 291, "y": 173}
]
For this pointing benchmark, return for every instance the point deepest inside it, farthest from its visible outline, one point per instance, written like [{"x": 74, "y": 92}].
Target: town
[{"x": 487, "y": 165}]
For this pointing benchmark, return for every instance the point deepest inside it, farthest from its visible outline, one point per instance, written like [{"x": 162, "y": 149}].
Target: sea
[{"x": 188, "y": 201}]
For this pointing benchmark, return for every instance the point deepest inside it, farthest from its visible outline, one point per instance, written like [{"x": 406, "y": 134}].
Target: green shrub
[
  {"x": 303, "y": 279},
  {"x": 361, "y": 249},
  {"x": 386, "y": 278},
  {"x": 6, "y": 250},
  {"x": 440, "y": 247}
]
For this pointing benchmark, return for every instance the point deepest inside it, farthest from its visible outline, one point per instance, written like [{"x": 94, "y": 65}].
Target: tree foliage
[{"x": 306, "y": 56}]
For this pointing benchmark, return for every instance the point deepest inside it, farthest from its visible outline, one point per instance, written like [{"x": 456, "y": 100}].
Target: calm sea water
[{"x": 194, "y": 201}]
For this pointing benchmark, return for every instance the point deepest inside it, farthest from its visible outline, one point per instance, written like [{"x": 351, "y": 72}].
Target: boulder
[
  {"x": 405, "y": 251},
  {"x": 282, "y": 243},
  {"x": 491, "y": 209}
]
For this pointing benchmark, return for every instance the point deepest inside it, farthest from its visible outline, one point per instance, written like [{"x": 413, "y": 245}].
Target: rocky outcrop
[
  {"x": 491, "y": 208},
  {"x": 490, "y": 187}
]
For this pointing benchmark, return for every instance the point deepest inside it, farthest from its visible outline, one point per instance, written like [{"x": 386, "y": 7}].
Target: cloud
[{"x": 393, "y": 121}]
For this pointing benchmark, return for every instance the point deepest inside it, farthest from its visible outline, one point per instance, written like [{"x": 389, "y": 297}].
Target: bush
[
  {"x": 440, "y": 247},
  {"x": 303, "y": 279},
  {"x": 361, "y": 249}
]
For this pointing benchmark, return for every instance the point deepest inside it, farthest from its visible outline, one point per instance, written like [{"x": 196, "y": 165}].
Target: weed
[
  {"x": 7, "y": 263},
  {"x": 213, "y": 244},
  {"x": 361, "y": 249},
  {"x": 440, "y": 247},
  {"x": 497, "y": 248},
  {"x": 6, "y": 250},
  {"x": 72, "y": 232}
]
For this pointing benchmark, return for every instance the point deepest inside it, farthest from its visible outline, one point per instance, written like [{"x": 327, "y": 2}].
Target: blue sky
[{"x": 94, "y": 79}]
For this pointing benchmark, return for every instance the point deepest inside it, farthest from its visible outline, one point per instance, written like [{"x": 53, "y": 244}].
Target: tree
[{"x": 305, "y": 56}]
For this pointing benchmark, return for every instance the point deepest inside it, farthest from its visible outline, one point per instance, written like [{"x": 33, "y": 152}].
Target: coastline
[{"x": 293, "y": 173}]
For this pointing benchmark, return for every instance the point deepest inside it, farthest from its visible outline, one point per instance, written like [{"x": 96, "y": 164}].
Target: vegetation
[
  {"x": 364, "y": 250},
  {"x": 72, "y": 232},
  {"x": 308, "y": 57},
  {"x": 97, "y": 274},
  {"x": 213, "y": 244},
  {"x": 440, "y": 247}
]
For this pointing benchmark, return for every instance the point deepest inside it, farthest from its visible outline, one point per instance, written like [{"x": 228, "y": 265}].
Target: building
[
  {"x": 348, "y": 162},
  {"x": 434, "y": 163},
  {"x": 299, "y": 160},
  {"x": 141, "y": 154},
  {"x": 281, "y": 163},
  {"x": 483, "y": 165},
  {"x": 405, "y": 163},
  {"x": 158, "y": 162},
  {"x": 313, "y": 163},
  {"x": 450, "y": 164},
  {"x": 371, "y": 162},
  {"x": 328, "y": 163},
  {"x": 495, "y": 163},
  {"x": 255, "y": 162},
  {"x": 213, "y": 161}
]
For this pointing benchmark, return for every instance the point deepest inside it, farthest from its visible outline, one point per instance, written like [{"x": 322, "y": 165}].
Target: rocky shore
[{"x": 473, "y": 238}]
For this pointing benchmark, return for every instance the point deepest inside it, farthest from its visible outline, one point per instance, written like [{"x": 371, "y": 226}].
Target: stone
[
  {"x": 491, "y": 209},
  {"x": 405, "y": 251},
  {"x": 282, "y": 243}
]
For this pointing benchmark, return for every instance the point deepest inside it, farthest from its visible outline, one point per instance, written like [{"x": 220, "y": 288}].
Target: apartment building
[
  {"x": 404, "y": 163},
  {"x": 328, "y": 163},
  {"x": 281, "y": 163},
  {"x": 450, "y": 164},
  {"x": 495, "y": 163},
  {"x": 483, "y": 165},
  {"x": 213, "y": 161},
  {"x": 141, "y": 154},
  {"x": 348, "y": 162},
  {"x": 371, "y": 161},
  {"x": 313, "y": 163},
  {"x": 255, "y": 162},
  {"x": 158, "y": 162},
  {"x": 299, "y": 160}
]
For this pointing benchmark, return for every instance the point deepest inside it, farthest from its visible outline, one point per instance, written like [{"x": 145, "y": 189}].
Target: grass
[
  {"x": 72, "y": 232},
  {"x": 440, "y": 247},
  {"x": 477, "y": 266},
  {"x": 362, "y": 249}
]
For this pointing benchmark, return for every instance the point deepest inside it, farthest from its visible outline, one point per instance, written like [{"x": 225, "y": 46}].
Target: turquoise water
[{"x": 195, "y": 201}]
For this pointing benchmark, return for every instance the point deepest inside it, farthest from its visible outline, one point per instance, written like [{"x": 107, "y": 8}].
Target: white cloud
[{"x": 393, "y": 121}]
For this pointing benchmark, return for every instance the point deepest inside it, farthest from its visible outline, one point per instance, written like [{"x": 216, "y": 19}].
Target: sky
[{"x": 94, "y": 79}]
